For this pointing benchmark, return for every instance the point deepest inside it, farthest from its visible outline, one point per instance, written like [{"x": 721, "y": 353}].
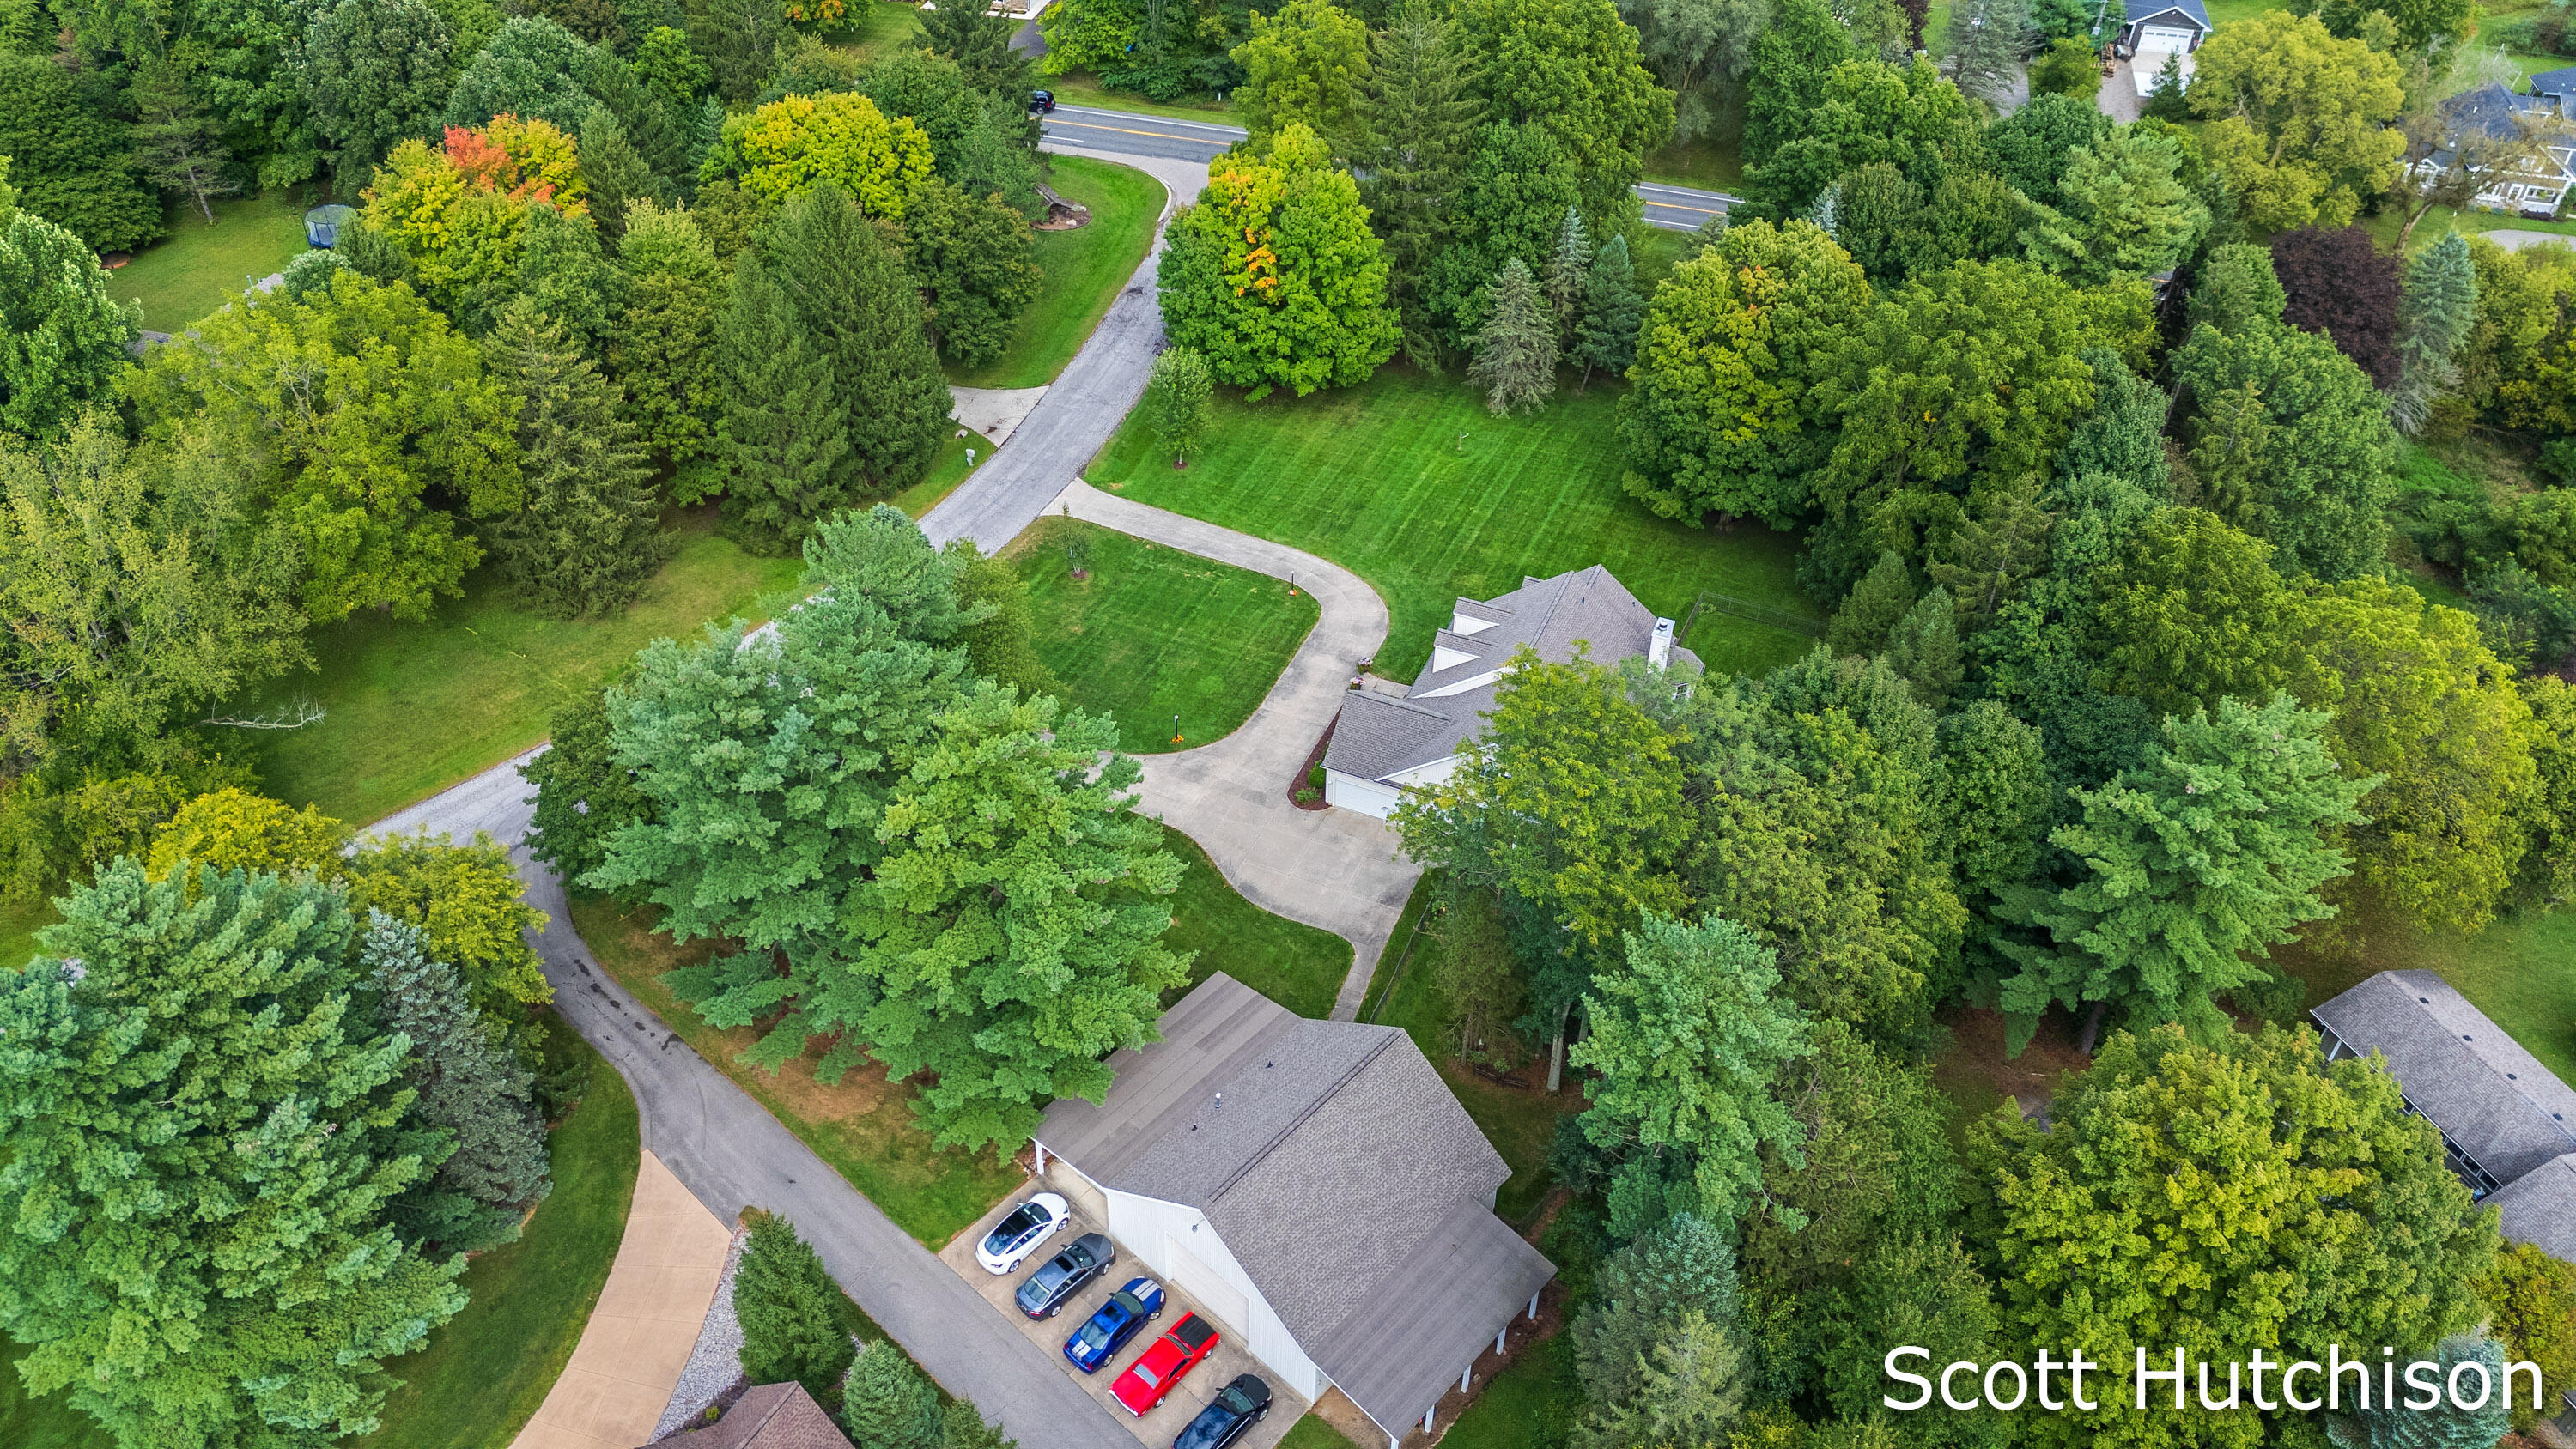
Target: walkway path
[
  {"x": 731, "y": 1154},
  {"x": 614, "y": 1388},
  {"x": 2514, "y": 239},
  {"x": 1337, "y": 869},
  {"x": 1082, "y": 409}
]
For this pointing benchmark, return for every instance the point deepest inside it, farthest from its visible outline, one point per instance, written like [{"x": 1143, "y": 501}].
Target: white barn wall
[
  {"x": 1144, "y": 1226},
  {"x": 1350, "y": 792}
]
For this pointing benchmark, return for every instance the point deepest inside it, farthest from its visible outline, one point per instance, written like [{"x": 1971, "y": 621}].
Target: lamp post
[{"x": 1176, "y": 729}]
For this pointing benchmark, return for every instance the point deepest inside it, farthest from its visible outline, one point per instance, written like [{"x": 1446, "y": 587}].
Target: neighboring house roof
[
  {"x": 2189, "y": 10},
  {"x": 2494, "y": 1100},
  {"x": 771, "y": 1416},
  {"x": 2493, "y": 110},
  {"x": 1381, "y": 735},
  {"x": 2558, "y": 85},
  {"x": 1337, "y": 1168},
  {"x": 2539, "y": 1207}
]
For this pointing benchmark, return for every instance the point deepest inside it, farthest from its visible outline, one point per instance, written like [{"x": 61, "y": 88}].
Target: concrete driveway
[{"x": 1169, "y": 1417}]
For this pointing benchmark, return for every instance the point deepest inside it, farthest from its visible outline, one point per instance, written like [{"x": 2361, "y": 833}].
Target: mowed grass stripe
[{"x": 1376, "y": 479}]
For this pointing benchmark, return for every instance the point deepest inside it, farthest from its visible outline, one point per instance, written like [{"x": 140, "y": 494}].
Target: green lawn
[
  {"x": 1154, "y": 632},
  {"x": 1082, "y": 88},
  {"x": 1296, "y": 965},
  {"x": 197, "y": 268},
  {"x": 1532, "y": 1405},
  {"x": 416, "y": 707},
  {"x": 1375, "y": 478},
  {"x": 1083, "y": 270},
  {"x": 486, "y": 1371},
  {"x": 1313, "y": 1433},
  {"x": 491, "y": 1366},
  {"x": 874, "y": 25},
  {"x": 2521, "y": 971},
  {"x": 1520, "y": 1123}
]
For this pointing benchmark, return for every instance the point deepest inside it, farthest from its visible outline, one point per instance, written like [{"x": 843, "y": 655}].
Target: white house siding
[
  {"x": 1368, "y": 797},
  {"x": 1150, "y": 1228},
  {"x": 1435, "y": 773}
]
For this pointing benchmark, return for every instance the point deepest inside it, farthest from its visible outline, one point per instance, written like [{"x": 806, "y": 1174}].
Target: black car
[
  {"x": 1041, "y": 101},
  {"x": 1237, "y": 1407},
  {"x": 1062, "y": 1276}
]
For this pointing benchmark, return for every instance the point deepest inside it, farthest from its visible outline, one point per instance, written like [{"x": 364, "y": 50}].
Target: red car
[{"x": 1163, "y": 1364}]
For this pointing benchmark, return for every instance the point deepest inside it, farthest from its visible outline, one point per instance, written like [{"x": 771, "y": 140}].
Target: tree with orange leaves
[
  {"x": 460, "y": 212},
  {"x": 1275, "y": 275}
]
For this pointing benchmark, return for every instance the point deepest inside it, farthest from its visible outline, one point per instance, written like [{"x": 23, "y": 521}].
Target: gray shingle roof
[
  {"x": 1340, "y": 1172},
  {"x": 771, "y": 1416},
  {"x": 2539, "y": 1207},
  {"x": 2489, "y": 1096},
  {"x": 2559, "y": 84},
  {"x": 2493, "y": 110},
  {"x": 1379, "y": 736},
  {"x": 2191, "y": 10}
]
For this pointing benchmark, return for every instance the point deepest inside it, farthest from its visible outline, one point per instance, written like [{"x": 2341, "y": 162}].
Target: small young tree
[
  {"x": 469, "y": 1088},
  {"x": 2068, "y": 67},
  {"x": 588, "y": 537},
  {"x": 1516, "y": 348},
  {"x": 1181, "y": 401},
  {"x": 888, "y": 1404},
  {"x": 1477, "y": 977},
  {"x": 961, "y": 1424},
  {"x": 790, "y": 1311},
  {"x": 178, "y": 147},
  {"x": 1569, "y": 267},
  {"x": 1613, "y": 311}
]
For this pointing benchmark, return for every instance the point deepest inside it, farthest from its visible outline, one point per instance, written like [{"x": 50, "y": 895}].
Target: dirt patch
[
  {"x": 1974, "y": 1070},
  {"x": 1305, "y": 772}
]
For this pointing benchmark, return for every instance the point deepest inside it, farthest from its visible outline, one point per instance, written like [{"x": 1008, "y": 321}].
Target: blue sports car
[{"x": 1101, "y": 1336}]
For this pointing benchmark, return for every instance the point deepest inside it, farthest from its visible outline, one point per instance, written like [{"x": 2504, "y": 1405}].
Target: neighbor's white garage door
[
  {"x": 2163, "y": 37},
  {"x": 1223, "y": 1301}
]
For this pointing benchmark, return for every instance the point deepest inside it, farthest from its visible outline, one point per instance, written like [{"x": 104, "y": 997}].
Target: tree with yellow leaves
[
  {"x": 790, "y": 146},
  {"x": 2302, "y": 128}
]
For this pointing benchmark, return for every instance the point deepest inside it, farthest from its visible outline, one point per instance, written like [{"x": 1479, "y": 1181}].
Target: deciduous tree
[
  {"x": 531, "y": 68},
  {"x": 62, "y": 335},
  {"x": 2243, "y": 1164},
  {"x": 583, "y": 794},
  {"x": 1274, "y": 275},
  {"x": 372, "y": 72},
  {"x": 1309, "y": 62},
  {"x": 971, "y": 256},
  {"x": 72, "y": 162},
  {"x": 2530, "y": 1299},
  {"x": 1698, "y": 50},
  {"x": 1719, "y": 418},
  {"x": 201, "y": 1142},
  {"x": 1571, "y": 67},
  {"x": 2301, "y": 118},
  {"x": 2338, "y": 282},
  {"x": 1786, "y": 83},
  {"x": 790, "y": 146}
]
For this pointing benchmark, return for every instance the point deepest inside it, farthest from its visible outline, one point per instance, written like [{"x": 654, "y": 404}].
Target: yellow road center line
[{"x": 1130, "y": 131}]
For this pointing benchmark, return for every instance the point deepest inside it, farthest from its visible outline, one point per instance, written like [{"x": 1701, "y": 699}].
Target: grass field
[
  {"x": 1532, "y": 1405},
  {"x": 486, "y": 1371},
  {"x": 1313, "y": 1433},
  {"x": 1376, "y": 479},
  {"x": 1520, "y": 1123},
  {"x": 1082, "y": 88},
  {"x": 197, "y": 268},
  {"x": 1083, "y": 270},
  {"x": 1155, "y": 632},
  {"x": 491, "y": 1366},
  {"x": 1296, "y": 965},
  {"x": 416, "y": 707}
]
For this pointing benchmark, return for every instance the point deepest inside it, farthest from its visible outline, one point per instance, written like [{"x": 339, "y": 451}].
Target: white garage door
[
  {"x": 2164, "y": 37},
  {"x": 1223, "y": 1301}
]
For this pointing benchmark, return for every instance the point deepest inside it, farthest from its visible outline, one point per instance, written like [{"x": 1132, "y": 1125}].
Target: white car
[{"x": 1020, "y": 1232}]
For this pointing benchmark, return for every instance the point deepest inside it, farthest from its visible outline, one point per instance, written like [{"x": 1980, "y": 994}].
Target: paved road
[
  {"x": 1125, "y": 134},
  {"x": 1337, "y": 869},
  {"x": 1083, "y": 406},
  {"x": 730, "y": 1153}
]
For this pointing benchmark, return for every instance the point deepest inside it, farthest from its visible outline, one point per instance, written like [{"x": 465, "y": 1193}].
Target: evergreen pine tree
[
  {"x": 469, "y": 1087},
  {"x": 888, "y": 1404},
  {"x": 202, "y": 1160},
  {"x": 785, "y": 429},
  {"x": 663, "y": 349},
  {"x": 2443, "y": 1426},
  {"x": 1180, "y": 400},
  {"x": 1569, "y": 267},
  {"x": 1983, "y": 45},
  {"x": 962, "y": 1426},
  {"x": 1613, "y": 311},
  {"x": 1516, "y": 348},
  {"x": 2441, "y": 303},
  {"x": 1923, "y": 649},
  {"x": 864, "y": 313},
  {"x": 1418, "y": 118},
  {"x": 790, "y": 1311},
  {"x": 176, "y": 145},
  {"x": 1871, "y": 611},
  {"x": 616, "y": 172},
  {"x": 587, "y": 539},
  {"x": 980, "y": 43}
]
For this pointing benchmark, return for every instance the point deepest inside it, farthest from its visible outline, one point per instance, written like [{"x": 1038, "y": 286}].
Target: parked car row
[{"x": 1139, "y": 1301}]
